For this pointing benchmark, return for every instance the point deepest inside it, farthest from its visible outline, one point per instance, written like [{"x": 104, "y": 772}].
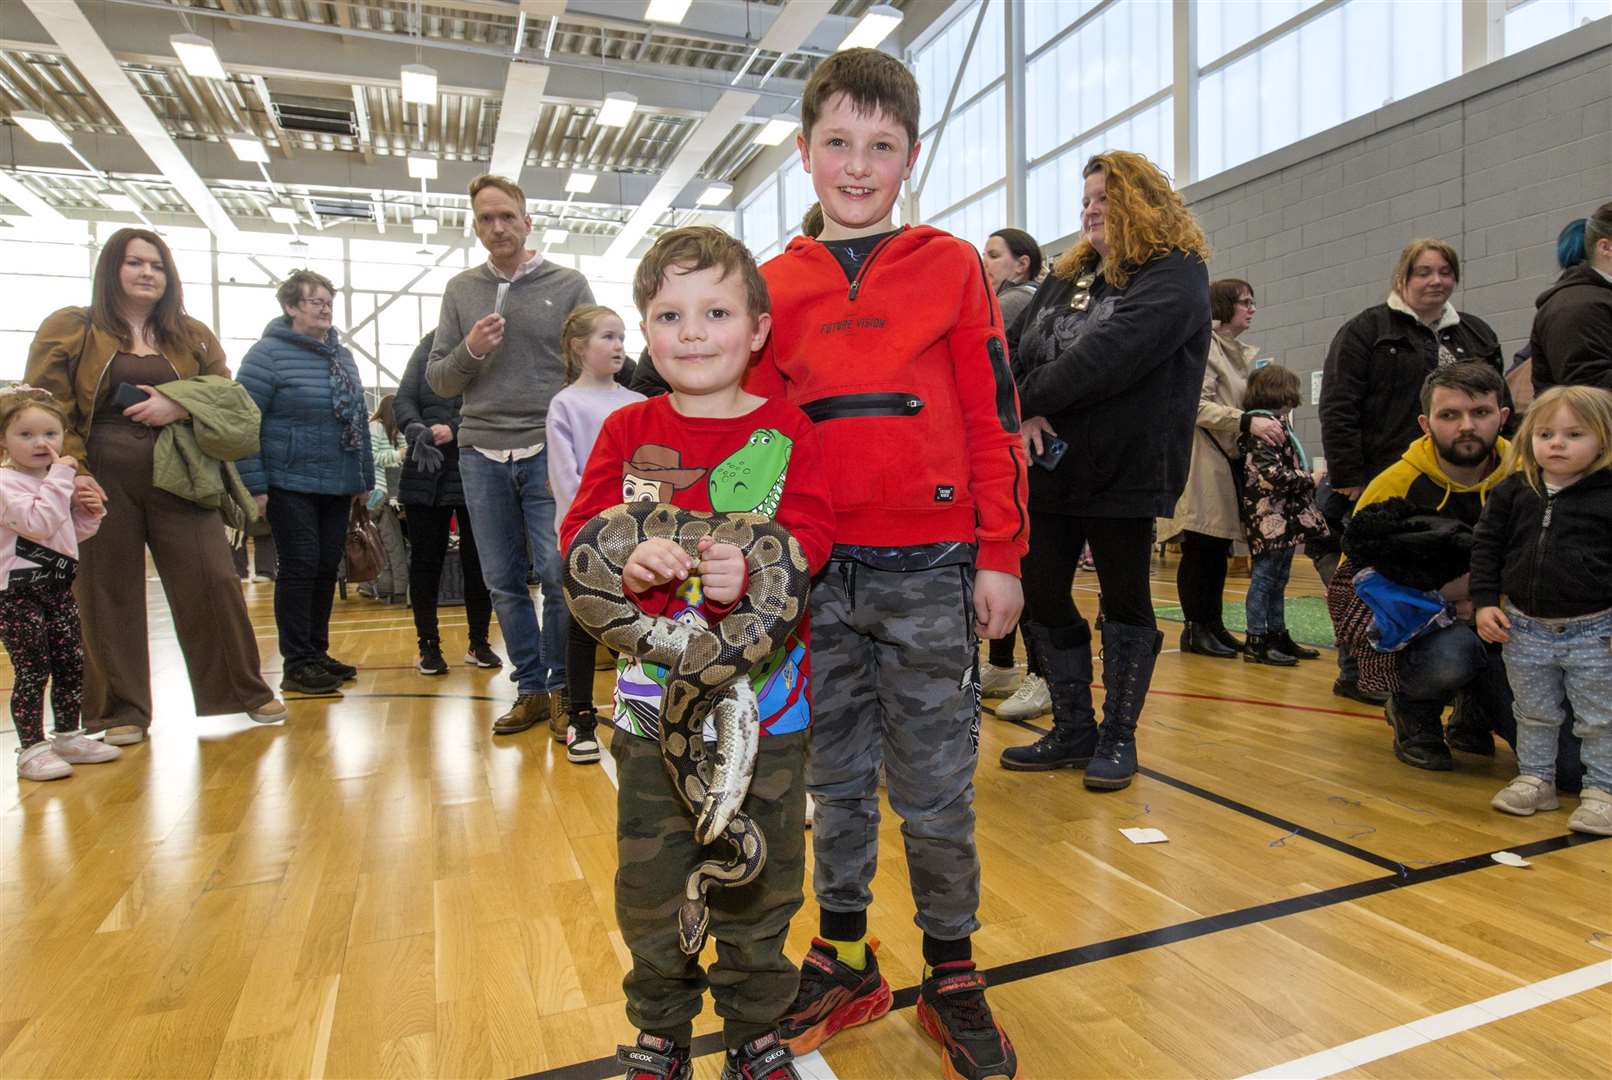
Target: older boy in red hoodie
[{"x": 891, "y": 341}]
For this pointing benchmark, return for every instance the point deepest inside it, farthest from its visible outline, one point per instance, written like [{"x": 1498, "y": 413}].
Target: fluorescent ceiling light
[
  {"x": 419, "y": 84},
  {"x": 422, "y": 166},
  {"x": 715, "y": 194},
  {"x": 872, "y": 28},
  {"x": 249, "y": 149},
  {"x": 667, "y": 11},
  {"x": 425, "y": 225},
  {"x": 776, "y": 130},
  {"x": 116, "y": 200},
  {"x": 616, "y": 110},
  {"x": 284, "y": 215},
  {"x": 554, "y": 236},
  {"x": 581, "y": 183},
  {"x": 41, "y": 127},
  {"x": 198, "y": 56}
]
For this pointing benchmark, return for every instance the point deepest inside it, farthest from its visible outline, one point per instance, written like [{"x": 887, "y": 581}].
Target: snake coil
[{"x": 707, "y": 670}]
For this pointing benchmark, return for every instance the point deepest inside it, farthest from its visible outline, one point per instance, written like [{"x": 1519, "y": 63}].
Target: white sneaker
[
  {"x": 40, "y": 762},
  {"x": 1029, "y": 701},
  {"x": 580, "y": 749},
  {"x": 271, "y": 713},
  {"x": 80, "y": 749},
  {"x": 1525, "y": 795},
  {"x": 998, "y": 682}
]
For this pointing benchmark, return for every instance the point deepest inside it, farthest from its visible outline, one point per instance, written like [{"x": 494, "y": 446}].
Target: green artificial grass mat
[{"x": 1307, "y": 619}]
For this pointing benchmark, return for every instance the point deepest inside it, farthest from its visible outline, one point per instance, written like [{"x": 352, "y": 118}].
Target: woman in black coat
[
  {"x": 432, "y": 497},
  {"x": 1109, "y": 358}
]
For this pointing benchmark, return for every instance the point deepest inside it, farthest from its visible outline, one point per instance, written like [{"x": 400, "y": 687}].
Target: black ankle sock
[
  {"x": 842, "y": 925},
  {"x": 938, "y": 951}
]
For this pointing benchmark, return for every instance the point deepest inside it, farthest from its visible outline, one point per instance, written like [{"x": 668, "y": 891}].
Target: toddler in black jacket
[{"x": 1545, "y": 543}]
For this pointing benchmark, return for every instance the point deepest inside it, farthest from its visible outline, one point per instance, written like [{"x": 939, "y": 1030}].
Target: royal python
[{"x": 707, "y": 670}]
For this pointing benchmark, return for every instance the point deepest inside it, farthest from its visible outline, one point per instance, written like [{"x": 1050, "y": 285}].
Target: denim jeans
[
  {"x": 513, "y": 509},
  {"x": 1267, "y": 591},
  {"x": 309, "y": 531},
  {"x": 1438, "y": 665},
  {"x": 1551, "y": 663}
]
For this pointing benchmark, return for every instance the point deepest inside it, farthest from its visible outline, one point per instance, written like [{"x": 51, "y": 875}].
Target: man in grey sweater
[{"x": 507, "y": 365}]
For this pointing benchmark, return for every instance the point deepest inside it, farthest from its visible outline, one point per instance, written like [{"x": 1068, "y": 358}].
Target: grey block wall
[{"x": 1493, "y": 165}]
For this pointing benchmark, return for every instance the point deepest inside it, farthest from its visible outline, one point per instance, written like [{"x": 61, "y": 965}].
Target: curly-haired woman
[{"x": 1109, "y": 359}]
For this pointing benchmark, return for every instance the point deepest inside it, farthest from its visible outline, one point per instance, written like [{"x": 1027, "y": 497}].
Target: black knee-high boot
[
  {"x": 1128, "y": 656},
  {"x": 1065, "y": 656}
]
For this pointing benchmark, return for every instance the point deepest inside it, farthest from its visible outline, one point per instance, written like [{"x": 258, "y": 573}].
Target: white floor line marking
[{"x": 1352, "y": 1055}]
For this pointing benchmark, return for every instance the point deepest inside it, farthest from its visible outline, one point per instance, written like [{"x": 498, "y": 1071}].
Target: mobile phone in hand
[
  {"x": 1052, "y": 452},
  {"x": 498, "y": 301}
]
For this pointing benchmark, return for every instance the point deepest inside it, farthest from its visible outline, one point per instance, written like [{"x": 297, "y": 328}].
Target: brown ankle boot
[{"x": 529, "y": 709}]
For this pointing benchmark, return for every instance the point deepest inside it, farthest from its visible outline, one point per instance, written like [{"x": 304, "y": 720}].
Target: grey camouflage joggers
[
  {"x": 752, "y": 981},
  {"x": 895, "y": 668}
]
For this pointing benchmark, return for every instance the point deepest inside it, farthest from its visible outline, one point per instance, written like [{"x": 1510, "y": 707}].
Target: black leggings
[
  {"x": 580, "y": 652},
  {"x": 1122, "y": 548},
  {"x": 428, "y": 547},
  {"x": 1201, "y": 578}
]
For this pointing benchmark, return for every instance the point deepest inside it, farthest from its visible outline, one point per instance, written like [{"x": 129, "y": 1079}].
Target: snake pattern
[{"x": 707, "y": 670}]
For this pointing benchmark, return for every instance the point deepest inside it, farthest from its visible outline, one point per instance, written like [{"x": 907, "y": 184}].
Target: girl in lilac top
[
  {"x": 594, "y": 344},
  {"x": 42, "y": 523}
]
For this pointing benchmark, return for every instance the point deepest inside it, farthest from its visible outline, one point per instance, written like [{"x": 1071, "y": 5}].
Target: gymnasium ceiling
[{"x": 317, "y": 83}]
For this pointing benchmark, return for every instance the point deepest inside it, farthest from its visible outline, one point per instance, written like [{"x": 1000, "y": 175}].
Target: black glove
[{"x": 426, "y": 457}]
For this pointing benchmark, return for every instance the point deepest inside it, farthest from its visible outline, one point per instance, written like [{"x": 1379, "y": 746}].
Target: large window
[
  {"x": 1053, "y": 187},
  {"x": 937, "y": 63},
  {"x": 1529, "y": 22},
  {"x": 1119, "y": 57},
  {"x": 1342, "y": 64},
  {"x": 965, "y": 161},
  {"x": 758, "y": 222}
]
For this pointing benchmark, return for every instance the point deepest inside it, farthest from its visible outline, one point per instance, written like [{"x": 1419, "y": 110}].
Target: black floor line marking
[
  {"x": 1291, "y": 828},
  {"x": 1050, "y": 963}
]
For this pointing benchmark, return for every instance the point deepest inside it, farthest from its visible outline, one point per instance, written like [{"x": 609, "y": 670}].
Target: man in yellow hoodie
[{"x": 1449, "y": 471}]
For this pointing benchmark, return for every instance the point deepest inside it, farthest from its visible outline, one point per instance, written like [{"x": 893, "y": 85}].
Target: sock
[
  {"x": 853, "y": 954},
  {"x": 939, "y": 951}
]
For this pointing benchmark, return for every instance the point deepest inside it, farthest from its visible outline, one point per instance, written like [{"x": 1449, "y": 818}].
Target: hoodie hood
[
  {"x": 1424, "y": 459},
  {"x": 1582, "y": 276}
]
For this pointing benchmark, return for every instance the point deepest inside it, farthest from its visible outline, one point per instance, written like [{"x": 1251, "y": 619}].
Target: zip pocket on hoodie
[{"x": 842, "y": 406}]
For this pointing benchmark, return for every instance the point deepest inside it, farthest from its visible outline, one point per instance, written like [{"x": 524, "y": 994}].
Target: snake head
[{"x": 693, "y": 920}]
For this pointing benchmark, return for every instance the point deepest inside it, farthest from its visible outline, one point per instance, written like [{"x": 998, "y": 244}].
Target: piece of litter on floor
[
  {"x": 1144, "y": 836},
  {"x": 1510, "y": 858}
]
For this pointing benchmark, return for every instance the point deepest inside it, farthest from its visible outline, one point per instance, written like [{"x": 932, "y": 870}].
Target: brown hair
[
  {"x": 1472, "y": 378},
  {"x": 1146, "y": 218},
  {"x": 1415, "y": 250},
  {"x": 1593, "y": 407},
  {"x": 1597, "y": 227},
  {"x": 874, "y": 81},
  {"x": 1272, "y": 387},
  {"x": 19, "y": 399},
  {"x": 694, "y": 248},
  {"x": 167, "y": 323},
  {"x": 1223, "y": 296},
  {"x": 388, "y": 418},
  {"x": 298, "y": 283},
  {"x": 578, "y": 328},
  {"x": 507, "y": 186}
]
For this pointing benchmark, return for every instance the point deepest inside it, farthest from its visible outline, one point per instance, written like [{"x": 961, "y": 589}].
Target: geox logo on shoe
[
  {"x": 641, "y": 1056},
  {"x": 945, "y": 492}
]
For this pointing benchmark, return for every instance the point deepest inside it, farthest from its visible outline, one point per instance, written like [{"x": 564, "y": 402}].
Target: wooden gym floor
[{"x": 380, "y": 888}]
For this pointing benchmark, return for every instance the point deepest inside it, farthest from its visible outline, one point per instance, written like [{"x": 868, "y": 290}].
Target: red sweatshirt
[
  {"x": 905, "y": 371},
  {"x": 767, "y": 461}
]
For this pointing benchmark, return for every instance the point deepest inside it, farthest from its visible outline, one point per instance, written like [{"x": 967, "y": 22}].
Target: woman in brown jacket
[
  {"x": 133, "y": 337},
  {"x": 1206, "y": 516}
]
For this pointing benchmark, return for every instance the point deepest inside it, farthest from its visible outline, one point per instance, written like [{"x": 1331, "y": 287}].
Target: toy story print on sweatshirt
[{"x": 751, "y": 480}]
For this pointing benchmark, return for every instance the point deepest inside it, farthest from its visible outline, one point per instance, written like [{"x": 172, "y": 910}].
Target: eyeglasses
[
  {"x": 317, "y": 305},
  {"x": 1247, "y": 302}
]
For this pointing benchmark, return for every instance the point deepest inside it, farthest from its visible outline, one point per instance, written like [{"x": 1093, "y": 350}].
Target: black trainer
[
  {"x": 309, "y": 678},
  {"x": 431, "y": 662},
  {"x": 481, "y": 654},
  {"x": 762, "y": 1058},
  {"x": 654, "y": 1058},
  {"x": 343, "y": 672},
  {"x": 832, "y": 997},
  {"x": 952, "y": 1011}
]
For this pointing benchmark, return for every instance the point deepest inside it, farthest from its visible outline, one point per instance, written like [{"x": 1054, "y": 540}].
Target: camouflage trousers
[
  {"x": 895, "y": 673},
  {"x": 752, "y": 981}
]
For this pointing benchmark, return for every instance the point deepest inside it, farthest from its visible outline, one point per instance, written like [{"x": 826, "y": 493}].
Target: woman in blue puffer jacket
[{"x": 314, "y": 466}]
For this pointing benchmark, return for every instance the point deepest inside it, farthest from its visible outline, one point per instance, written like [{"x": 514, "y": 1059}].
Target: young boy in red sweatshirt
[
  {"x": 708, "y": 445},
  {"x": 891, "y": 341}
]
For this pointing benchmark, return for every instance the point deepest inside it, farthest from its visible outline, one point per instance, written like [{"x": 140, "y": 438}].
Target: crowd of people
[{"x": 1003, "y": 421}]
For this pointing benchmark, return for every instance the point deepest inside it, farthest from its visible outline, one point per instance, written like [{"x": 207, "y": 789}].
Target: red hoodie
[{"x": 905, "y": 372}]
